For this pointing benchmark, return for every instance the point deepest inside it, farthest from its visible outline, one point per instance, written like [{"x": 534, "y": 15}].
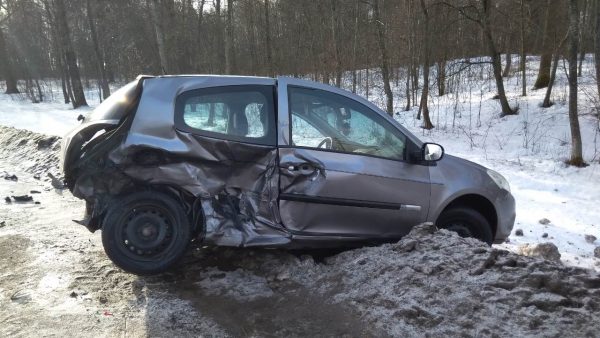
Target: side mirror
[{"x": 432, "y": 152}]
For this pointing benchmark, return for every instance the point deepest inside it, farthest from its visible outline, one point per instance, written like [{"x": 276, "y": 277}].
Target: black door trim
[{"x": 339, "y": 201}]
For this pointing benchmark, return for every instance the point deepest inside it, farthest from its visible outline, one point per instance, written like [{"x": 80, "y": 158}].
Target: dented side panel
[{"x": 235, "y": 182}]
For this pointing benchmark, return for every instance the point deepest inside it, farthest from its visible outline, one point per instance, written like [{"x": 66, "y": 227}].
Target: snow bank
[
  {"x": 33, "y": 152},
  {"x": 435, "y": 283}
]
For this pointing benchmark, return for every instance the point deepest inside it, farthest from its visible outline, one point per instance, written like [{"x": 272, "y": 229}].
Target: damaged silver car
[{"x": 249, "y": 161}]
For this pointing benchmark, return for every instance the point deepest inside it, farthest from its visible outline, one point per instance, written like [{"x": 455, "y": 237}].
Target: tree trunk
[
  {"x": 582, "y": 35},
  {"x": 441, "y": 77},
  {"x": 597, "y": 46},
  {"x": 555, "y": 59},
  {"x": 354, "y": 47},
  {"x": 156, "y": 9},
  {"x": 576, "y": 147},
  {"x": 547, "y": 103},
  {"x": 230, "y": 67},
  {"x": 78, "y": 98},
  {"x": 198, "y": 58},
  {"x": 543, "y": 77},
  {"x": 496, "y": 61},
  {"x": 336, "y": 45},
  {"x": 384, "y": 58},
  {"x": 407, "y": 108},
  {"x": 523, "y": 56},
  {"x": 506, "y": 71},
  {"x": 423, "y": 107},
  {"x": 63, "y": 85},
  {"x": 6, "y": 68},
  {"x": 99, "y": 58},
  {"x": 268, "y": 39}
]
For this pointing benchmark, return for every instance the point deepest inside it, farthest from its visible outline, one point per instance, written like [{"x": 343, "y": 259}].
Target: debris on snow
[
  {"x": 9, "y": 177},
  {"x": 597, "y": 252},
  {"x": 545, "y": 235},
  {"x": 22, "y": 198},
  {"x": 590, "y": 238},
  {"x": 546, "y": 250},
  {"x": 519, "y": 232},
  {"x": 47, "y": 142},
  {"x": 56, "y": 183},
  {"x": 544, "y": 221}
]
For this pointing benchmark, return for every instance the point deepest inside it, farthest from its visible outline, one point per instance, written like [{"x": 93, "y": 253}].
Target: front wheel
[
  {"x": 146, "y": 232},
  {"x": 467, "y": 223}
]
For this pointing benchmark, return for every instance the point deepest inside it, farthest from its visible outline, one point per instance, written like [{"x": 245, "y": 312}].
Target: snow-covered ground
[
  {"x": 529, "y": 148},
  {"x": 51, "y": 117}
]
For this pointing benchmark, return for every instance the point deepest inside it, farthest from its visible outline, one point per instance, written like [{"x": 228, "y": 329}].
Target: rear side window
[{"x": 237, "y": 113}]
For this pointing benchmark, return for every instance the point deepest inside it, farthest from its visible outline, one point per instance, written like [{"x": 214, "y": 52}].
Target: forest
[{"x": 93, "y": 43}]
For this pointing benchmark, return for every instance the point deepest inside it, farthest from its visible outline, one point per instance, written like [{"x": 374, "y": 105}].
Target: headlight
[{"x": 499, "y": 179}]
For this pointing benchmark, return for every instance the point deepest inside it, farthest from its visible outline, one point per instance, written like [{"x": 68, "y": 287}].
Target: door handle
[{"x": 305, "y": 169}]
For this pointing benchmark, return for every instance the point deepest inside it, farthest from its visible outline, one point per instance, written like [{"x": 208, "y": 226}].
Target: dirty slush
[{"x": 56, "y": 279}]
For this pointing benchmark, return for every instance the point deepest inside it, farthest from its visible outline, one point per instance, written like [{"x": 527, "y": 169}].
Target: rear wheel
[
  {"x": 467, "y": 223},
  {"x": 145, "y": 233}
]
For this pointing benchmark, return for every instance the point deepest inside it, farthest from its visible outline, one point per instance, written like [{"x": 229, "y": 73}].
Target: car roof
[{"x": 208, "y": 76}]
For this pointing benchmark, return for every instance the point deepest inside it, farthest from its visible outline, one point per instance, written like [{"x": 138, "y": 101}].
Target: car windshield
[{"x": 115, "y": 107}]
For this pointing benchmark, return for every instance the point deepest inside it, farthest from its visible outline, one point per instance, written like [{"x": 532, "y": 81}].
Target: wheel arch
[{"x": 476, "y": 202}]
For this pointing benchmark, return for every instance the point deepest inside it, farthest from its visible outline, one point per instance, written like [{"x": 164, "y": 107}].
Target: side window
[
  {"x": 330, "y": 121},
  {"x": 238, "y": 113},
  {"x": 306, "y": 135}
]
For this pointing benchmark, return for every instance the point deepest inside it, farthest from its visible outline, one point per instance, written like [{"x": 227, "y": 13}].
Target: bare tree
[
  {"x": 230, "y": 66},
  {"x": 99, "y": 57},
  {"x": 597, "y": 45},
  {"x": 555, "y": 60},
  {"x": 576, "y": 147},
  {"x": 523, "y": 56},
  {"x": 543, "y": 77},
  {"x": 268, "y": 39},
  {"x": 70, "y": 58},
  {"x": 423, "y": 107},
  {"x": 6, "y": 67},
  {"x": 200, "y": 36},
  {"x": 156, "y": 9},
  {"x": 336, "y": 45},
  {"x": 508, "y": 65},
  {"x": 385, "y": 73},
  {"x": 481, "y": 15}
]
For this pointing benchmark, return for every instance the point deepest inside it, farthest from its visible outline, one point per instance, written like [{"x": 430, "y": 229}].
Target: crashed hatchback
[{"x": 249, "y": 161}]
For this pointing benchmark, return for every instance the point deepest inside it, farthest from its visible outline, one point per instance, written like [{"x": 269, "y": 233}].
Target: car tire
[
  {"x": 146, "y": 232},
  {"x": 467, "y": 223}
]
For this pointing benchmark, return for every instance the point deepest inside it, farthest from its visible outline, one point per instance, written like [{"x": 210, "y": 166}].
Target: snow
[
  {"x": 529, "y": 149},
  {"x": 51, "y": 117}
]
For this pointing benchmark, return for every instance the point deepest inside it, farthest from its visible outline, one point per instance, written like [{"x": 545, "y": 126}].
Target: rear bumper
[{"x": 505, "y": 209}]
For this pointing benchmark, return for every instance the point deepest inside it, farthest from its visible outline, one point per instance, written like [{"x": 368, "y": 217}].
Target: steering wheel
[{"x": 327, "y": 142}]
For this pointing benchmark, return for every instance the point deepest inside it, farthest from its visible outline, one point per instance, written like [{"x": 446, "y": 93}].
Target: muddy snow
[{"x": 56, "y": 279}]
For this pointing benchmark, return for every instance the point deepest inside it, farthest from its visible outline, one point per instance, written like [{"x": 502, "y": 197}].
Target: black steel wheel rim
[{"x": 147, "y": 232}]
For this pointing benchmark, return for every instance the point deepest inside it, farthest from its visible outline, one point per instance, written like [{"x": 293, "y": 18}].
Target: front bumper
[{"x": 506, "y": 212}]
